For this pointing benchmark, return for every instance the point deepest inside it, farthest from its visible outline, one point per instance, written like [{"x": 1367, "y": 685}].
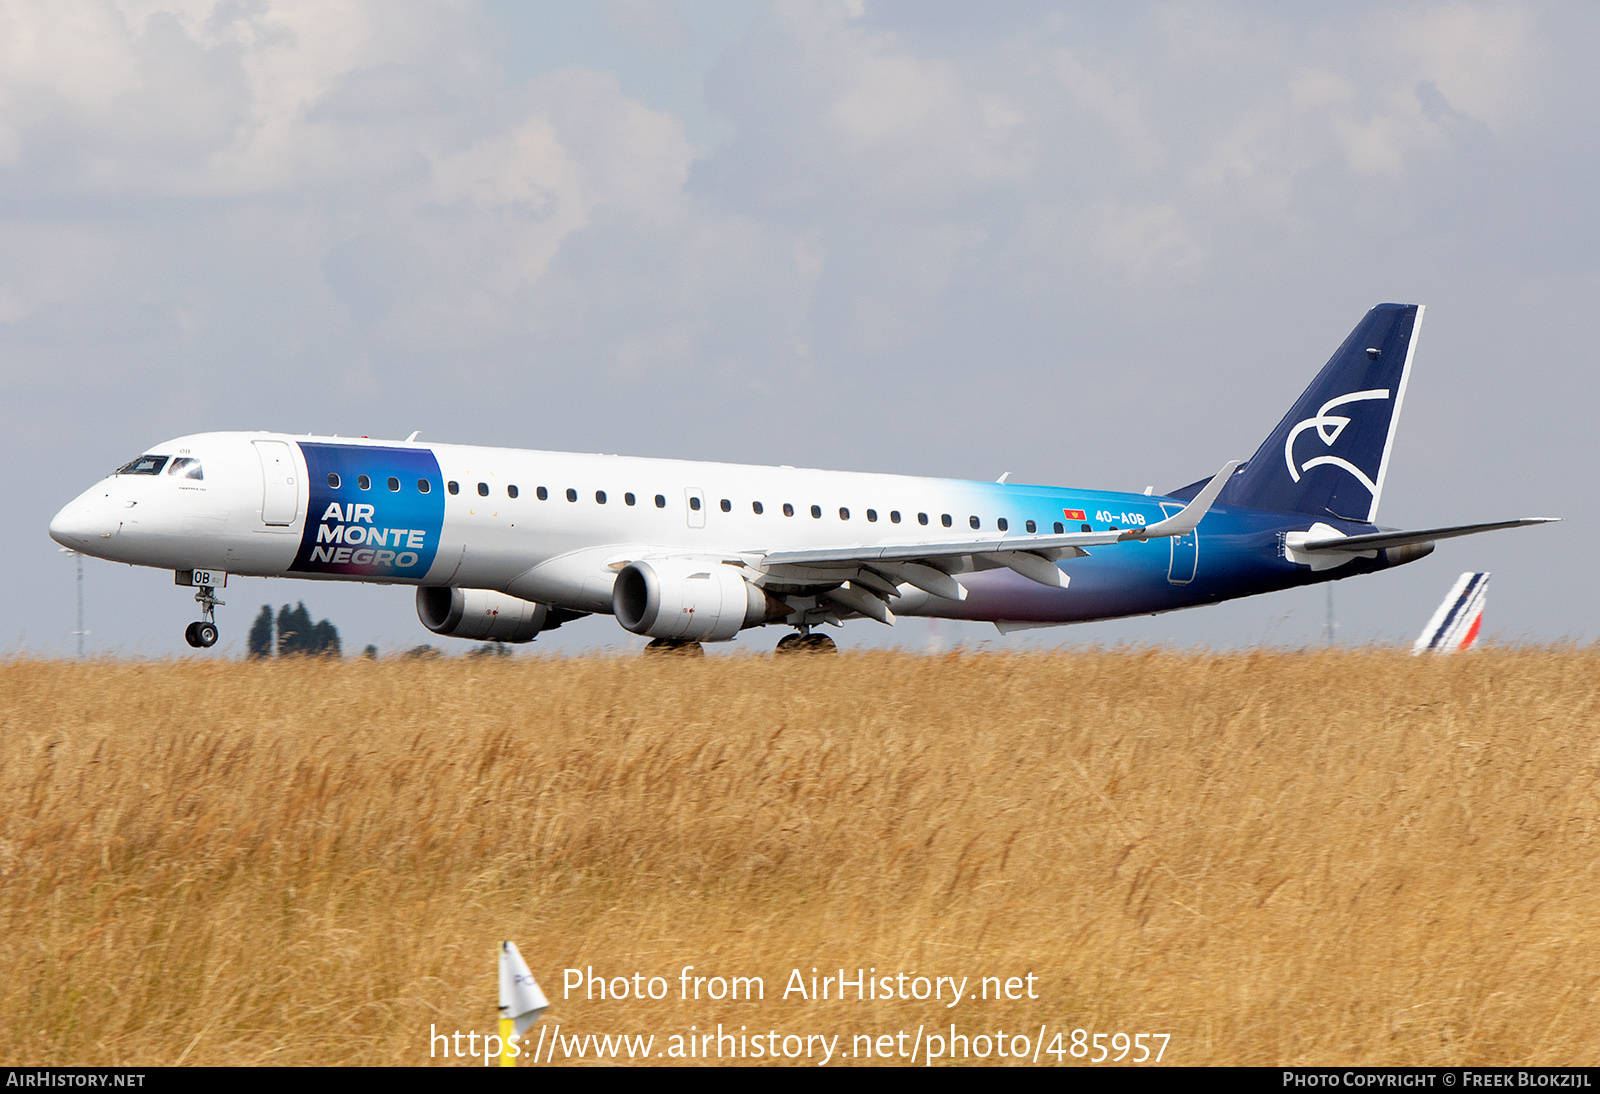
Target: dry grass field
[{"x": 1312, "y": 858}]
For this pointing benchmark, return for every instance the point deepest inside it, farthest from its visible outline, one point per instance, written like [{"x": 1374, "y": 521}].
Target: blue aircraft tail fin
[{"x": 1329, "y": 455}]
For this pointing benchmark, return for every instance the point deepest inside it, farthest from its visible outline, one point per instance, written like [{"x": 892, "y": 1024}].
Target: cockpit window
[
  {"x": 186, "y": 467},
  {"x": 144, "y": 465}
]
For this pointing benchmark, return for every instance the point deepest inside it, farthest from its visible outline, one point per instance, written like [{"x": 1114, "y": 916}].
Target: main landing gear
[
  {"x": 806, "y": 642},
  {"x": 682, "y": 647},
  {"x": 202, "y": 634}
]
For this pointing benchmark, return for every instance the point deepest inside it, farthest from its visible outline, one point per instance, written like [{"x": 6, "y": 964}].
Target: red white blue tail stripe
[{"x": 1456, "y": 624}]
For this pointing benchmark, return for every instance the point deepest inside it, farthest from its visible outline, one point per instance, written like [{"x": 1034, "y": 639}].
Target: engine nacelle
[
  {"x": 480, "y": 614},
  {"x": 693, "y": 599}
]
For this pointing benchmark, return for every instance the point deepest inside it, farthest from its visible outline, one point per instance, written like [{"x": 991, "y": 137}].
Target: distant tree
[
  {"x": 323, "y": 641},
  {"x": 370, "y": 653},
  {"x": 297, "y": 635},
  {"x": 261, "y": 634},
  {"x": 293, "y": 625},
  {"x": 490, "y": 649}
]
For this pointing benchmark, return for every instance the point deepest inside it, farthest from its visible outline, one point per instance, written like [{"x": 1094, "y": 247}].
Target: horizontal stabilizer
[{"x": 1378, "y": 540}]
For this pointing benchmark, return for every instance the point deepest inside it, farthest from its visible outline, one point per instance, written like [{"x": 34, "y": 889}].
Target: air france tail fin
[
  {"x": 1329, "y": 455},
  {"x": 1455, "y": 624}
]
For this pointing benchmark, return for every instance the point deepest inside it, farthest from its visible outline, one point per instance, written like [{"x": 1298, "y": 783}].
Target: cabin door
[
  {"x": 1185, "y": 557},
  {"x": 280, "y": 496}
]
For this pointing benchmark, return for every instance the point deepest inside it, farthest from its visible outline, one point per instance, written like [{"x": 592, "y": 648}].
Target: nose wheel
[{"x": 202, "y": 634}]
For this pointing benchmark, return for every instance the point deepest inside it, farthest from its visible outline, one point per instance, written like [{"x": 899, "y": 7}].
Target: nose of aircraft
[{"x": 85, "y": 522}]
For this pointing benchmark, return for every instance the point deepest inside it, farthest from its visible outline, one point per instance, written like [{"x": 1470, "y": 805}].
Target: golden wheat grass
[{"x": 1277, "y": 858}]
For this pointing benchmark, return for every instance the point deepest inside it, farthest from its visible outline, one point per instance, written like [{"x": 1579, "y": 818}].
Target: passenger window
[
  {"x": 599, "y": 497},
  {"x": 333, "y": 480},
  {"x": 1086, "y": 528},
  {"x": 1059, "y": 528},
  {"x": 1003, "y": 524},
  {"x": 894, "y": 516},
  {"x": 572, "y": 495},
  {"x": 844, "y": 514},
  {"x": 363, "y": 482},
  {"x": 512, "y": 491},
  {"x": 394, "y": 485},
  {"x": 453, "y": 486},
  {"x": 727, "y": 506},
  {"x": 185, "y": 467},
  {"x": 922, "y": 518},
  {"x": 1031, "y": 527},
  {"x": 816, "y": 512},
  {"x": 872, "y": 515},
  {"x": 661, "y": 501},
  {"x": 483, "y": 490},
  {"x": 694, "y": 503},
  {"x": 974, "y": 521},
  {"x": 755, "y": 507},
  {"x": 424, "y": 486},
  {"x": 945, "y": 520},
  {"x": 628, "y": 499},
  {"x": 788, "y": 510},
  {"x": 541, "y": 493}
]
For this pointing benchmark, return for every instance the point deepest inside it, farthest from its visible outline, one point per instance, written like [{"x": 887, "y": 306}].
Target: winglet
[{"x": 1184, "y": 522}]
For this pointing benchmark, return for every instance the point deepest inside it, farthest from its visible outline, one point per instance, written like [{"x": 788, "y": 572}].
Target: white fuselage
[{"x": 573, "y": 519}]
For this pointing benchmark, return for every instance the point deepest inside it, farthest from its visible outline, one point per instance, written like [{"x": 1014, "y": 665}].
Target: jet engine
[
  {"x": 693, "y": 599},
  {"x": 481, "y": 614}
]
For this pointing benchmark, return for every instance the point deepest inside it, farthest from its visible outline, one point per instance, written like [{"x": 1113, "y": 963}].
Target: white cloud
[
  {"x": 456, "y": 208},
  {"x": 902, "y": 123},
  {"x": 1363, "y": 109},
  {"x": 582, "y": 151},
  {"x": 1483, "y": 58},
  {"x": 1115, "y": 101},
  {"x": 1142, "y": 240},
  {"x": 44, "y": 264}
]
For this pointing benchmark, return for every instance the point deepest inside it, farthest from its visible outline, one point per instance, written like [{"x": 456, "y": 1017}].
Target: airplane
[
  {"x": 1456, "y": 623},
  {"x": 503, "y": 544}
]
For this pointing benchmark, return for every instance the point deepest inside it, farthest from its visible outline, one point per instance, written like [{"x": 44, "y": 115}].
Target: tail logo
[{"x": 1328, "y": 427}]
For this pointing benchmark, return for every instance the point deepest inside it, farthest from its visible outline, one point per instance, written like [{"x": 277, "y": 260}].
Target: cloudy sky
[{"x": 1085, "y": 244}]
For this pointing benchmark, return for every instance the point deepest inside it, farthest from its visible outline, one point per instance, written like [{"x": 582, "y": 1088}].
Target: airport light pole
[{"x": 80, "y": 632}]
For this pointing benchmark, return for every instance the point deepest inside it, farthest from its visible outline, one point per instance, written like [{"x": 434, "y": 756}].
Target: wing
[{"x": 863, "y": 577}]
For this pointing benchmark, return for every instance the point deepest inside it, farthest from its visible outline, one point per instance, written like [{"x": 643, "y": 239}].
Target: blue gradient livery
[
  {"x": 504, "y": 543},
  {"x": 374, "y": 512}
]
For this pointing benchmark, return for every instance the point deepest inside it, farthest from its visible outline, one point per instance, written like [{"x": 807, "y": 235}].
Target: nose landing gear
[{"x": 202, "y": 634}]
